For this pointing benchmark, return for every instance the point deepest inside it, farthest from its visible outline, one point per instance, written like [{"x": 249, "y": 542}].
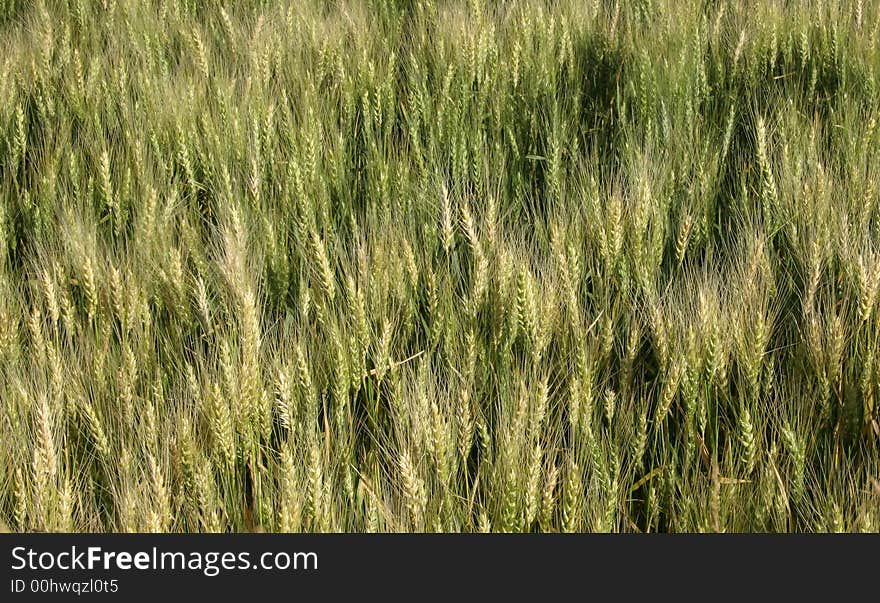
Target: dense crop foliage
[{"x": 437, "y": 265}]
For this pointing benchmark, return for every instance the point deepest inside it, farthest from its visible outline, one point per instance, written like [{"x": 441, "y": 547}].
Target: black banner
[{"x": 132, "y": 567}]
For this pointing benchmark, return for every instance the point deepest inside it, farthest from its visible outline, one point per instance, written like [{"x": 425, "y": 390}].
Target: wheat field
[{"x": 439, "y": 265}]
